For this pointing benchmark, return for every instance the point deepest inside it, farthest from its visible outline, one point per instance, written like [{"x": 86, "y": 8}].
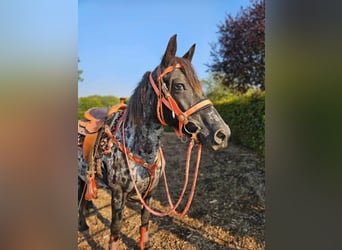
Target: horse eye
[{"x": 179, "y": 86}]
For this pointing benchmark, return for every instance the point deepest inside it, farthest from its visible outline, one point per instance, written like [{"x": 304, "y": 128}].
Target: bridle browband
[{"x": 165, "y": 97}]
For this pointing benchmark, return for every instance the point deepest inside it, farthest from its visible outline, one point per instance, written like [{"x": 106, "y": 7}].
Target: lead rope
[
  {"x": 173, "y": 207},
  {"x": 193, "y": 186}
]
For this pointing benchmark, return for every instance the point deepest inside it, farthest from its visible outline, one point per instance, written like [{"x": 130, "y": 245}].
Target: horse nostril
[{"x": 219, "y": 137}]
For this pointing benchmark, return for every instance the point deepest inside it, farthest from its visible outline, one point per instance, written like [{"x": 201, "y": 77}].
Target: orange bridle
[{"x": 164, "y": 96}]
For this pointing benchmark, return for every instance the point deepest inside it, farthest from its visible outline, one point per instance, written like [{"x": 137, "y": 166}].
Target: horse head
[{"x": 182, "y": 103}]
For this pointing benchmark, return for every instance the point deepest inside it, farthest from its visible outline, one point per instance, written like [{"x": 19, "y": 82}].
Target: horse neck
[{"x": 143, "y": 139}]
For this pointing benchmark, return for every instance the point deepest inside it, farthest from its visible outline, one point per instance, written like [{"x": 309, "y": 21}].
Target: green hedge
[
  {"x": 85, "y": 103},
  {"x": 245, "y": 115}
]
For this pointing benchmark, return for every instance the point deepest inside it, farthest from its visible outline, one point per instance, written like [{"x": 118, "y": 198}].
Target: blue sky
[{"x": 118, "y": 41}]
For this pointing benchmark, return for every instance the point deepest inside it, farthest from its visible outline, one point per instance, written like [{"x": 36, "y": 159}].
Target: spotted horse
[{"x": 121, "y": 145}]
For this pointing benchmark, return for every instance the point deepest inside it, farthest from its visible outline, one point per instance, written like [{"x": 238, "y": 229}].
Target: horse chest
[{"x": 118, "y": 173}]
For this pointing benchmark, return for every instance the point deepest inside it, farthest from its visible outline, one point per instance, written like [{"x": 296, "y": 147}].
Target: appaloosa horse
[{"x": 129, "y": 149}]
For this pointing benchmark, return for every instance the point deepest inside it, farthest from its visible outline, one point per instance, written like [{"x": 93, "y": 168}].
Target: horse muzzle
[{"x": 216, "y": 140}]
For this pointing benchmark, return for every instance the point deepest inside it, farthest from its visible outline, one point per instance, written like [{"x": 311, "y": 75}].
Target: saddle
[
  {"x": 91, "y": 128},
  {"x": 92, "y": 124}
]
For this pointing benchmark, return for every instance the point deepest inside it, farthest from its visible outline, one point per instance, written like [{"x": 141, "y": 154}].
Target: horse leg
[
  {"x": 82, "y": 224},
  {"x": 118, "y": 203},
  {"x": 145, "y": 217}
]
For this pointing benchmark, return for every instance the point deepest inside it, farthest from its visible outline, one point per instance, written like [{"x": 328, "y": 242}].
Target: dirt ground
[{"x": 227, "y": 212}]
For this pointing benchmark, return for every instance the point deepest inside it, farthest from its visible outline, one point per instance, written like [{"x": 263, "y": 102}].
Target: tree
[
  {"x": 214, "y": 90},
  {"x": 239, "y": 54},
  {"x": 80, "y": 79}
]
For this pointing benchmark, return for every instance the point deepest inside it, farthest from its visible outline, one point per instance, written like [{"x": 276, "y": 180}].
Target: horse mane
[
  {"x": 143, "y": 96},
  {"x": 140, "y": 99}
]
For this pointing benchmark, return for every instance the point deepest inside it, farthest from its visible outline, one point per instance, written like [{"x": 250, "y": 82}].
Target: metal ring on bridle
[{"x": 190, "y": 133}]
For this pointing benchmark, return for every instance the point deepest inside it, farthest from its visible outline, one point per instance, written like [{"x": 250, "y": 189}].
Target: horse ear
[
  {"x": 170, "y": 51},
  {"x": 188, "y": 55}
]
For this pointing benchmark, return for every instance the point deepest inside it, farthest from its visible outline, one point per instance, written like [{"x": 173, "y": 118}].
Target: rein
[
  {"x": 173, "y": 208},
  {"x": 164, "y": 97},
  {"x": 128, "y": 154}
]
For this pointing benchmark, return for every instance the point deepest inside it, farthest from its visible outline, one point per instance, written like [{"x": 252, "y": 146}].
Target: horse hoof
[
  {"x": 83, "y": 227},
  {"x": 114, "y": 245},
  {"x": 90, "y": 205}
]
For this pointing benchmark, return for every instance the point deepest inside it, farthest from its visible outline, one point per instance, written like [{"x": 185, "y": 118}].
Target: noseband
[{"x": 164, "y": 96}]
